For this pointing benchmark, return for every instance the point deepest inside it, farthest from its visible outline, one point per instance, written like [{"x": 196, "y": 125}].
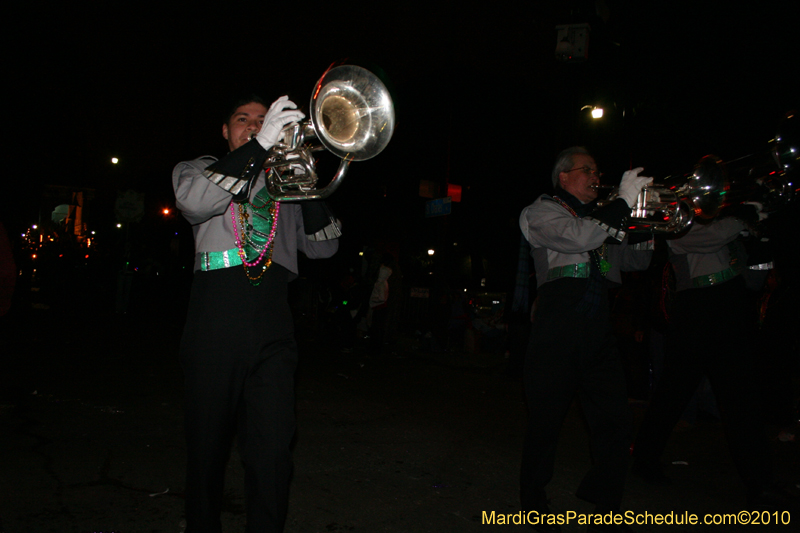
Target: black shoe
[{"x": 651, "y": 473}]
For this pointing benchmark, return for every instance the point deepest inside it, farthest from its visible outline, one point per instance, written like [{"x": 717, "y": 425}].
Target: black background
[{"x": 480, "y": 99}]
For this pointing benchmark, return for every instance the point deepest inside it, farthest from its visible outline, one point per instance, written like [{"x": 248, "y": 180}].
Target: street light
[{"x": 597, "y": 112}]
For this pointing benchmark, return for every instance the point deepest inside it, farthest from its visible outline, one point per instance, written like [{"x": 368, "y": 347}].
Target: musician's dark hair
[
  {"x": 239, "y": 102},
  {"x": 564, "y": 161}
]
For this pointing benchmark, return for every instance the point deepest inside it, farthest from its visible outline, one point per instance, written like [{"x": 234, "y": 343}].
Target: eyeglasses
[{"x": 586, "y": 170}]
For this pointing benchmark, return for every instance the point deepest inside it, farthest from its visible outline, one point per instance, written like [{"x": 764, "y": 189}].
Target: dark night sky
[{"x": 478, "y": 94}]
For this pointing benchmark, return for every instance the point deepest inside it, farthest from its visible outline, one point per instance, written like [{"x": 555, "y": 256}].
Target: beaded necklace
[
  {"x": 597, "y": 255},
  {"x": 250, "y": 241}
]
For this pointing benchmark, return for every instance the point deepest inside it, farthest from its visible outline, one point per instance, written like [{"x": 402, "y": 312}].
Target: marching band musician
[
  {"x": 238, "y": 350},
  {"x": 578, "y": 251},
  {"x": 710, "y": 334}
]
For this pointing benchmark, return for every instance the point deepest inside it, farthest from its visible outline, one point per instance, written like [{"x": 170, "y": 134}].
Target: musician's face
[
  {"x": 245, "y": 121},
  {"x": 578, "y": 181}
]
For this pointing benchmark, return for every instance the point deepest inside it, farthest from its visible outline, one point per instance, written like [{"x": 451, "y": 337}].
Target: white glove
[
  {"x": 631, "y": 185},
  {"x": 282, "y": 112},
  {"x": 759, "y": 210}
]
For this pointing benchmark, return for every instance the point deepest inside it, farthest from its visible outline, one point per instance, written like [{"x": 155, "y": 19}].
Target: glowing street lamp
[{"x": 597, "y": 112}]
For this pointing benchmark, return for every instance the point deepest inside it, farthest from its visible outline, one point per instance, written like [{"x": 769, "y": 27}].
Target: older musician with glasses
[
  {"x": 578, "y": 251},
  {"x": 238, "y": 350}
]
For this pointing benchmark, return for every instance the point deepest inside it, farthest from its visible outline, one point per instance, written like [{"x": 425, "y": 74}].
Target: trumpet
[
  {"x": 670, "y": 206},
  {"x": 659, "y": 208},
  {"x": 351, "y": 115}
]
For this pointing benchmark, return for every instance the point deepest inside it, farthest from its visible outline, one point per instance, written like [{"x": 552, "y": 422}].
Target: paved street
[{"x": 406, "y": 442}]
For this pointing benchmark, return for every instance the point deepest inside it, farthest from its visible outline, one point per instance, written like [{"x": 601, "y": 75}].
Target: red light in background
[{"x": 454, "y": 192}]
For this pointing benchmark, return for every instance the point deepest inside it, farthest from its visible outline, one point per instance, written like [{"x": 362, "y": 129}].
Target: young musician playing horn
[{"x": 238, "y": 350}]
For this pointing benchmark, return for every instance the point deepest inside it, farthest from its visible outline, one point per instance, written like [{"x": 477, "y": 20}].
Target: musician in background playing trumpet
[
  {"x": 578, "y": 251},
  {"x": 711, "y": 334}
]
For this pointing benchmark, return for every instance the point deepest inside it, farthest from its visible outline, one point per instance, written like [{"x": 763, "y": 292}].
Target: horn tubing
[{"x": 314, "y": 194}]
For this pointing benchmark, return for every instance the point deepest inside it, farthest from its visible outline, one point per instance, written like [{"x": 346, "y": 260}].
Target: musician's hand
[
  {"x": 282, "y": 112},
  {"x": 759, "y": 207},
  {"x": 653, "y": 196},
  {"x": 631, "y": 185}
]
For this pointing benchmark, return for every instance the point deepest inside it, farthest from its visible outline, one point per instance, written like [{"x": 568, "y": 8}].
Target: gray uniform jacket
[
  {"x": 704, "y": 250},
  {"x": 207, "y": 208},
  {"x": 559, "y": 239}
]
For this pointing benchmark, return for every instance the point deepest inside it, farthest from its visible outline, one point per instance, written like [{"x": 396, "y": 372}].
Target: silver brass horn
[
  {"x": 670, "y": 206},
  {"x": 351, "y": 115}
]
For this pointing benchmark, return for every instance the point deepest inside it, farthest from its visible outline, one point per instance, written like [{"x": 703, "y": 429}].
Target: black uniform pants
[
  {"x": 711, "y": 335},
  {"x": 239, "y": 357},
  {"x": 572, "y": 353}
]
